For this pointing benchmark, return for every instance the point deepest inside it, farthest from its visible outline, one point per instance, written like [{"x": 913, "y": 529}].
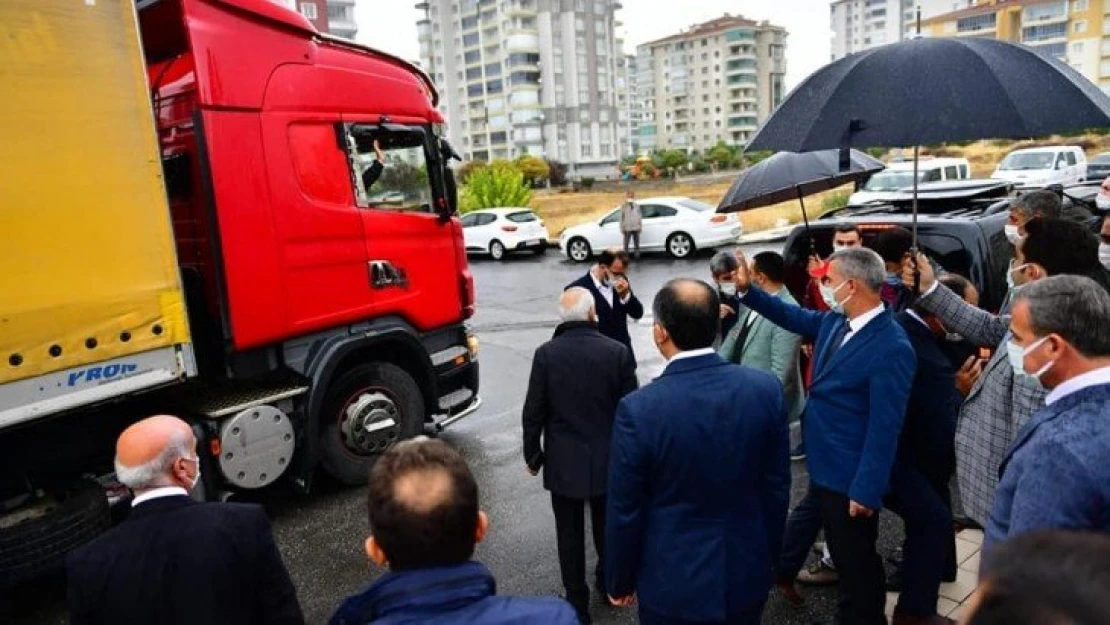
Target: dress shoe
[{"x": 789, "y": 590}]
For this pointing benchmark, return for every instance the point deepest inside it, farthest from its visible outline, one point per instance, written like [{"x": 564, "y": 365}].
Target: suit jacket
[
  {"x": 612, "y": 320},
  {"x": 1056, "y": 476},
  {"x": 928, "y": 434},
  {"x": 578, "y": 377},
  {"x": 698, "y": 488},
  {"x": 176, "y": 561},
  {"x": 997, "y": 406},
  {"x": 857, "y": 400},
  {"x": 769, "y": 348}
]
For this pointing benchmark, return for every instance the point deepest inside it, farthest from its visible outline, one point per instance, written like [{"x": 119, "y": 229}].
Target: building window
[
  {"x": 1077, "y": 48},
  {"x": 1079, "y": 6},
  {"x": 308, "y": 9},
  {"x": 1044, "y": 32},
  {"x": 1080, "y": 27},
  {"x": 977, "y": 22},
  {"x": 473, "y": 56},
  {"x": 470, "y": 40}
]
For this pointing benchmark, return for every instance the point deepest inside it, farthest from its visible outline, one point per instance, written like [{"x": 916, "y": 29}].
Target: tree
[
  {"x": 721, "y": 154},
  {"x": 499, "y": 184},
  {"x": 467, "y": 169},
  {"x": 534, "y": 168},
  {"x": 404, "y": 178},
  {"x": 558, "y": 173},
  {"x": 628, "y": 161},
  {"x": 673, "y": 159}
]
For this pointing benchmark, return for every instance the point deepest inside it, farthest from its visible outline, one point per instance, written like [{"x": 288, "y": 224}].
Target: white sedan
[
  {"x": 499, "y": 231},
  {"x": 677, "y": 225}
]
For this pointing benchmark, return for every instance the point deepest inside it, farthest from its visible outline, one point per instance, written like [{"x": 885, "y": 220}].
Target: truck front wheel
[{"x": 366, "y": 411}]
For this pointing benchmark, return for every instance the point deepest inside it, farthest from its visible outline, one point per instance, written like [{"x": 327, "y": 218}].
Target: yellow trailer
[{"x": 91, "y": 302}]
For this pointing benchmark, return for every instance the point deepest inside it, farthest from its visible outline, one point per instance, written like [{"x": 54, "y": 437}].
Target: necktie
[{"x": 835, "y": 341}]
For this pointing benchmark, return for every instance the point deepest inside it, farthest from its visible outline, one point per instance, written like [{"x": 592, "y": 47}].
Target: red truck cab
[{"x": 307, "y": 263}]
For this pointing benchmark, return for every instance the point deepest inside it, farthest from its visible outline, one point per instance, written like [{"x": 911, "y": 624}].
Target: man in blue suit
[
  {"x": 863, "y": 372},
  {"x": 608, "y": 282},
  {"x": 699, "y": 477}
]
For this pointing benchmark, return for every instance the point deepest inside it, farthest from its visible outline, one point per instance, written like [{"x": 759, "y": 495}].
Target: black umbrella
[
  {"x": 925, "y": 91},
  {"x": 789, "y": 175}
]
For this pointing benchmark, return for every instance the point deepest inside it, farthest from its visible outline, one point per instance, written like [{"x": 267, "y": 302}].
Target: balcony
[{"x": 523, "y": 42}]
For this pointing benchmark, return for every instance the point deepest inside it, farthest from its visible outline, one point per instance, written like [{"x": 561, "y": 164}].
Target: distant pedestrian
[
  {"x": 578, "y": 377},
  {"x": 1045, "y": 578},
  {"x": 425, "y": 521},
  {"x": 699, "y": 479},
  {"x": 614, "y": 300},
  {"x": 632, "y": 222},
  {"x": 1055, "y": 475},
  {"x": 175, "y": 561}
]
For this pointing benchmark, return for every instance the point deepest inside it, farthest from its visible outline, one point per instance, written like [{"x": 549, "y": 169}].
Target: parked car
[
  {"x": 1098, "y": 168},
  {"x": 1036, "y": 168},
  {"x": 499, "y": 231},
  {"x": 960, "y": 226},
  {"x": 678, "y": 225},
  {"x": 898, "y": 175}
]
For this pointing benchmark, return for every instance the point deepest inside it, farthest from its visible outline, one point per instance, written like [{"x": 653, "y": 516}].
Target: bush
[
  {"x": 700, "y": 165},
  {"x": 673, "y": 159},
  {"x": 721, "y": 154},
  {"x": 557, "y": 173},
  {"x": 754, "y": 158},
  {"x": 467, "y": 169},
  {"x": 499, "y": 184},
  {"x": 534, "y": 168},
  {"x": 648, "y": 171},
  {"x": 834, "y": 201},
  {"x": 587, "y": 182}
]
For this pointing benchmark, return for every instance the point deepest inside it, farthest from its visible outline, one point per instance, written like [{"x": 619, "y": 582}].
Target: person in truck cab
[
  {"x": 424, "y": 515},
  {"x": 174, "y": 560},
  {"x": 374, "y": 171}
]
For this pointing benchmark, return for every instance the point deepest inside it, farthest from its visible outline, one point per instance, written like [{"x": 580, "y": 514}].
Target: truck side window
[{"x": 394, "y": 179}]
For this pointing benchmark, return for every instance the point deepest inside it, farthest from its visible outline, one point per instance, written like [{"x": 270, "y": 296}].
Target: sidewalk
[{"x": 954, "y": 596}]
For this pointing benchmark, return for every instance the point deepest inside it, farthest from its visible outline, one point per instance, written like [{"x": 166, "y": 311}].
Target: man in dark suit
[
  {"x": 577, "y": 379},
  {"x": 863, "y": 372},
  {"x": 613, "y": 295},
  {"x": 699, "y": 479},
  {"x": 175, "y": 560}
]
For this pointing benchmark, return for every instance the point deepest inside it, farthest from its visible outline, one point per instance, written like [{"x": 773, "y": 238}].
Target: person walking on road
[
  {"x": 699, "y": 479},
  {"x": 614, "y": 300},
  {"x": 174, "y": 560},
  {"x": 1055, "y": 475},
  {"x": 632, "y": 222},
  {"x": 861, "y": 383},
  {"x": 578, "y": 377}
]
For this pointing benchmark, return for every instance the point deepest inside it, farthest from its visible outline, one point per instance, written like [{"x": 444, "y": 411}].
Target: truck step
[{"x": 216, "y": 403}]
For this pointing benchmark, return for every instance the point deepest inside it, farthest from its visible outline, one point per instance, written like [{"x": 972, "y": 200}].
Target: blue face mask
[{"x": 893, "y": 279}]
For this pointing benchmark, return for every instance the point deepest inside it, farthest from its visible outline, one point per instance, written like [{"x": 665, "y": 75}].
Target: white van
[
  {"x": 898, "y": 176},
  {"x": 1034, "y": 168}
]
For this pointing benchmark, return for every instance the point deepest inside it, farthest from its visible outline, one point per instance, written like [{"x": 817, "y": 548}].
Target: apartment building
[
  {"x": 629, "y": 105},
  {"x": 715, "y": 81},
  {"x": 336, "y": 17},
  {"x": 863, "y": 24},
  {"x": 1074, "y": 31},
  {"x": 532, "y": 77}
]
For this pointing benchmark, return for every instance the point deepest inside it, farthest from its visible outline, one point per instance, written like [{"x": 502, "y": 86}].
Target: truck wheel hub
[{"x": 371, "y": 424}]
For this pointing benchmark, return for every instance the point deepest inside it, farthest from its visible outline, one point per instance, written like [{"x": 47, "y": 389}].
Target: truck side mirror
[{"x": 451, "y": 192}]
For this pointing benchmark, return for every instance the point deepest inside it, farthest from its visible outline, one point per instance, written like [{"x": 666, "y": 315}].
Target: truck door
[{"x": 410, "y": 248}]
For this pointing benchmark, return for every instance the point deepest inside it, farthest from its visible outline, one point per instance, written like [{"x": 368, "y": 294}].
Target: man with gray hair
[
  {"x": 863, "y": 372},
  {"x": 577, "y": 380},
  {"x": 175, "y": 560},
  {"x": 1055, "y": 475},
  {"x": 723, "y": 269}
]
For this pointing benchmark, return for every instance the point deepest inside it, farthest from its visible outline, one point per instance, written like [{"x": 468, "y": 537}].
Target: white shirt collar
[
  {"x": 597, "y": 283},
  {"x": 158, "y": 493},
  {"x": 1078, "y": 383},
  {"x": 857, "y": 324},
  {"x": 911, "y": 313},
  {"x": 693, "y": 353}
]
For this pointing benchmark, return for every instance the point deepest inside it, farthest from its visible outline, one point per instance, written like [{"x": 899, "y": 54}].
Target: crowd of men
[{"x": 687, "y": 480}]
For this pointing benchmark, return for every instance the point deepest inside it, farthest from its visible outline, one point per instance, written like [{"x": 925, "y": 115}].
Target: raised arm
[
  {"x": 976, "y": 325},
  {"x": 795, "y": 319}
]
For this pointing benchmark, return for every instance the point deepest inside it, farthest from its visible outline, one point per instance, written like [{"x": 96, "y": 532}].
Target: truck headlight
[{"x": 472, "y": 346}]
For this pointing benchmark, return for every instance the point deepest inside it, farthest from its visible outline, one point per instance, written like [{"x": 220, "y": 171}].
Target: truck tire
[
  {"x": 37, "y": 545},
  {"x": 380, "y": 395}
]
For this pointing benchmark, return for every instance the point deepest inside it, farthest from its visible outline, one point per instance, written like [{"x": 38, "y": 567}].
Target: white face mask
[
  {"x": 728, "y": 289},
  {"x": 1016, "y": 354},
  {"x": 1102, "y": 201},
  {"x": 1104, "y": 254},
  {"x": 828, "y": 294},
  {"x": 1012, "y": 234},
  {"x": 837, "y": 248},
  {"x": 196, "y": 478},
  {"x": 1011, "y": 281}
]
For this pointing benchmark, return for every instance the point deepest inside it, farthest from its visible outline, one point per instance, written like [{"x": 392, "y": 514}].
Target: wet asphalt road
[{"x": 321, "y": 536}]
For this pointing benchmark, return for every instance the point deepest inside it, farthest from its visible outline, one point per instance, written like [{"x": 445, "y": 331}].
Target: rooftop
[
  {"x": 713, "y": 27},
  {"x": 985, "y": 7}
]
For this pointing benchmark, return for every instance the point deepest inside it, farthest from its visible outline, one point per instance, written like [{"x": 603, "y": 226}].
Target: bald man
[
  {"x": 578, "y": 377},
  {"x": 424, "y": 515},
  {"x": 176, "y": 561}
]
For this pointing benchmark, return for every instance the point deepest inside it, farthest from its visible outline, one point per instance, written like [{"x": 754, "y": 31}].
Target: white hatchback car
[
  {"x": 677, "y": 225},
  {"x": 499, "y": 231}
]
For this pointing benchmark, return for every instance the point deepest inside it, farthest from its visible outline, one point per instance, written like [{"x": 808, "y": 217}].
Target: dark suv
[{"x": 959, "y": 225}]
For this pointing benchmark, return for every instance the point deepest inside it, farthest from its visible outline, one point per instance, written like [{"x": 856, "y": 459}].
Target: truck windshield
[
  {"x": 892, "y": 180},
  {"x": 1027, "y": 160}
]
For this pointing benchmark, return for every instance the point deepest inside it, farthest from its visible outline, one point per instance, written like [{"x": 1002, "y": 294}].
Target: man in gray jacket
[{"x": 632, "y": 223}]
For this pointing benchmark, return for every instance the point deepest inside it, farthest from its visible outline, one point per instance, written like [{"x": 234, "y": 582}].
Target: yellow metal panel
[{"x": 86, "y": 244}]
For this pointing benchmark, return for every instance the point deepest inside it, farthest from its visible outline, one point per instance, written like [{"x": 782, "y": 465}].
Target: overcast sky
[{"x": 390, "y": 25}]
